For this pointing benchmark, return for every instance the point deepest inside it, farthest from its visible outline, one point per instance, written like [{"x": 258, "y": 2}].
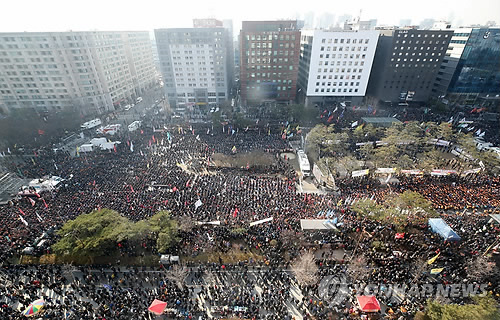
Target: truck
[
  {"x": 109, "y": 129},
  {"x": 88, "y": 147},
  {"x": 91, "y": 124},
  {"x": 134, "y": 126},
  {"x": 305, "y": 166}
]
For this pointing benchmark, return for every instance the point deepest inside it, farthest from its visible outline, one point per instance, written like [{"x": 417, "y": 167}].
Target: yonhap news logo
[{"x": 336, "y": 290}]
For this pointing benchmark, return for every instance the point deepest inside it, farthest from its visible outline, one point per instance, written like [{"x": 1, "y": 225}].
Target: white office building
[
  {"x": 94, "y": 71},
  {"x": 335, "y": 65},
  {"x": 196, "y": 65}
]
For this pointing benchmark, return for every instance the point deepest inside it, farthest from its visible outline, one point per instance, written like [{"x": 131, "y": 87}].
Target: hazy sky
[{"x": 63, "y": 15}]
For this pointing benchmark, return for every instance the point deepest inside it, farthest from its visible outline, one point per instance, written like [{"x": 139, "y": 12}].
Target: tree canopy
[{"x": 98, "y": 233}]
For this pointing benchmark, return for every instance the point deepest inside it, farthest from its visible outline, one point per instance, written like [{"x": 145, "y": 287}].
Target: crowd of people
[{"x": 174, "y": 170}]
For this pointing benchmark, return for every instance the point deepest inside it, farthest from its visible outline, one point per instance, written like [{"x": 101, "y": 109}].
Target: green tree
[
  {"x": 94, "y": 234},
  {"x": 166, "y": 230},
  {"x": 411, "y": 203},
  {"x": 484, "y": 308}
]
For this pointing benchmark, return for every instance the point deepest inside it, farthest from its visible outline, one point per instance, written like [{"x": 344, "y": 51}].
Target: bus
[{"x": 305, "y": 166}]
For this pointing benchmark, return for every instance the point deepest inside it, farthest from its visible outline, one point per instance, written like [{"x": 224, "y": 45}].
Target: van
[{"x": 139, "y": 99}]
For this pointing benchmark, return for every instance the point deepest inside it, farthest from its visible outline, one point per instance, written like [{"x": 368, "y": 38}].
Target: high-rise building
[
  {"x": 269, "y": 61},
  {"x": 195, "y": 65},
  {"x": 477, "y": 73},
  {"x": 406, "y": 64},
  {"x": 94, "y": 71},
  {"x": 335, "y": 65},
  {"x": 451, "y": 59}
]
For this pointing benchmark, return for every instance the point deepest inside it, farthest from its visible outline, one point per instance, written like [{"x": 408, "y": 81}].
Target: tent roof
[
  {"x": 495, "y": 217},
  {"x": 439, "y": 226},
  {"x": 157, "y": 307},
  {"x": 368, "y": 303}
]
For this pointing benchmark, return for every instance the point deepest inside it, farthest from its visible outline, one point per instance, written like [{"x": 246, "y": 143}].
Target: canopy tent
[
  {"x": 495, "y": 217},
  {"x": 368, "y": 303},
  {"x": 439, "y": 226},
  {"x": 157, "y": 307}
]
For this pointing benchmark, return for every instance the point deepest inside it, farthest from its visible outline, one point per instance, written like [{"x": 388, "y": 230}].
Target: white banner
[
  {"x": 360, "y": 173},
  {"x": 439, "y": 172},
  {"x": 385, "y": 170},
  {"x": 215, "y": 223},
  {"x": 466, "y": 172},
  {"x": 261, "y": 221},
  {"x": 413, "y": 172}
]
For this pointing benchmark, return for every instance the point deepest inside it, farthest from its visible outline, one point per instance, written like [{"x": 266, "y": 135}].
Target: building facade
[
  {"x": 406, "y": 64},
  {"x": 94, "y": 71},
  {"x": 195, "y": 65},
  {"x": 478, "y": 70},
  {"x": 450, "y": 61},
  {"x": 269, "y": 61},
  {"x": 335, "y": 65}
]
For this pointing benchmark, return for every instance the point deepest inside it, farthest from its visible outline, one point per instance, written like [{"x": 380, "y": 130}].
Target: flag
[
  {"x": 374, "y": 111},
  {"x": 437, "y": 270},
  {"x": 131, "y": 188},
  {"x": 22, "y": 212},
  {"x": 233, "y": 149},
  {"x": 142, "y": 154},
  {"x": 197, "y": 204},
  {"x": 248, "y": 165},
  {"x": 399, "y": 236},
  {"x": 330, "y": 118},
  {"x": 431, "y": 260},
  {"x": 114, "y": 147},
  {"x": 235, "y": 213},
  {"x": 40, "y": 132},
  {"x": 153, "y": 138},
  {"x": 45, "y": 203},
  {"x": 32, "y": 202},
  {"x": 23, "y": 221},
  {"x": 38, "y": 216},
  {"x": 246, "y": 129}
]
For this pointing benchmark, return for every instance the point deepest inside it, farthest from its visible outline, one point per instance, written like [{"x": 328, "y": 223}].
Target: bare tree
[
  {"x": 177, "y": 274},
  {"x": 356, "y": 269},
  {"x": 305, "y": 269},
  {"x": 185, "y": 223},
  {"x": 479, "y": 268}
]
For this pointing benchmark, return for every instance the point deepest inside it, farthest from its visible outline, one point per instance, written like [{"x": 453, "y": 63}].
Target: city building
[
  {"x": 269, "y": 62},
  {"x": 94, "y": 71},
  {"x": 195, "y": 64},
  {"x": 451, "y": 59},
  {"x": 406, "y": 64},
  {"x": 477, "y": 74},
  {"x": 335, "y": 65}
]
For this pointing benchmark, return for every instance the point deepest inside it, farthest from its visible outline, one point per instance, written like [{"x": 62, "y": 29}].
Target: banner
[
  {"x": 360, "y": 173},
  {"x": 214, "y": 223},
  {"x": 466, "y": 172},
  {"x": 261, "y": 221},
  {"x": 385, "y": 170},
  {"x": 413, "y": 172},
  {"x": 440, "y": 172}
]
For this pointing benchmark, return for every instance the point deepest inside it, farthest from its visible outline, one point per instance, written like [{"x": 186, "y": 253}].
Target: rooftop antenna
[{"x": 359, "y": 16}]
